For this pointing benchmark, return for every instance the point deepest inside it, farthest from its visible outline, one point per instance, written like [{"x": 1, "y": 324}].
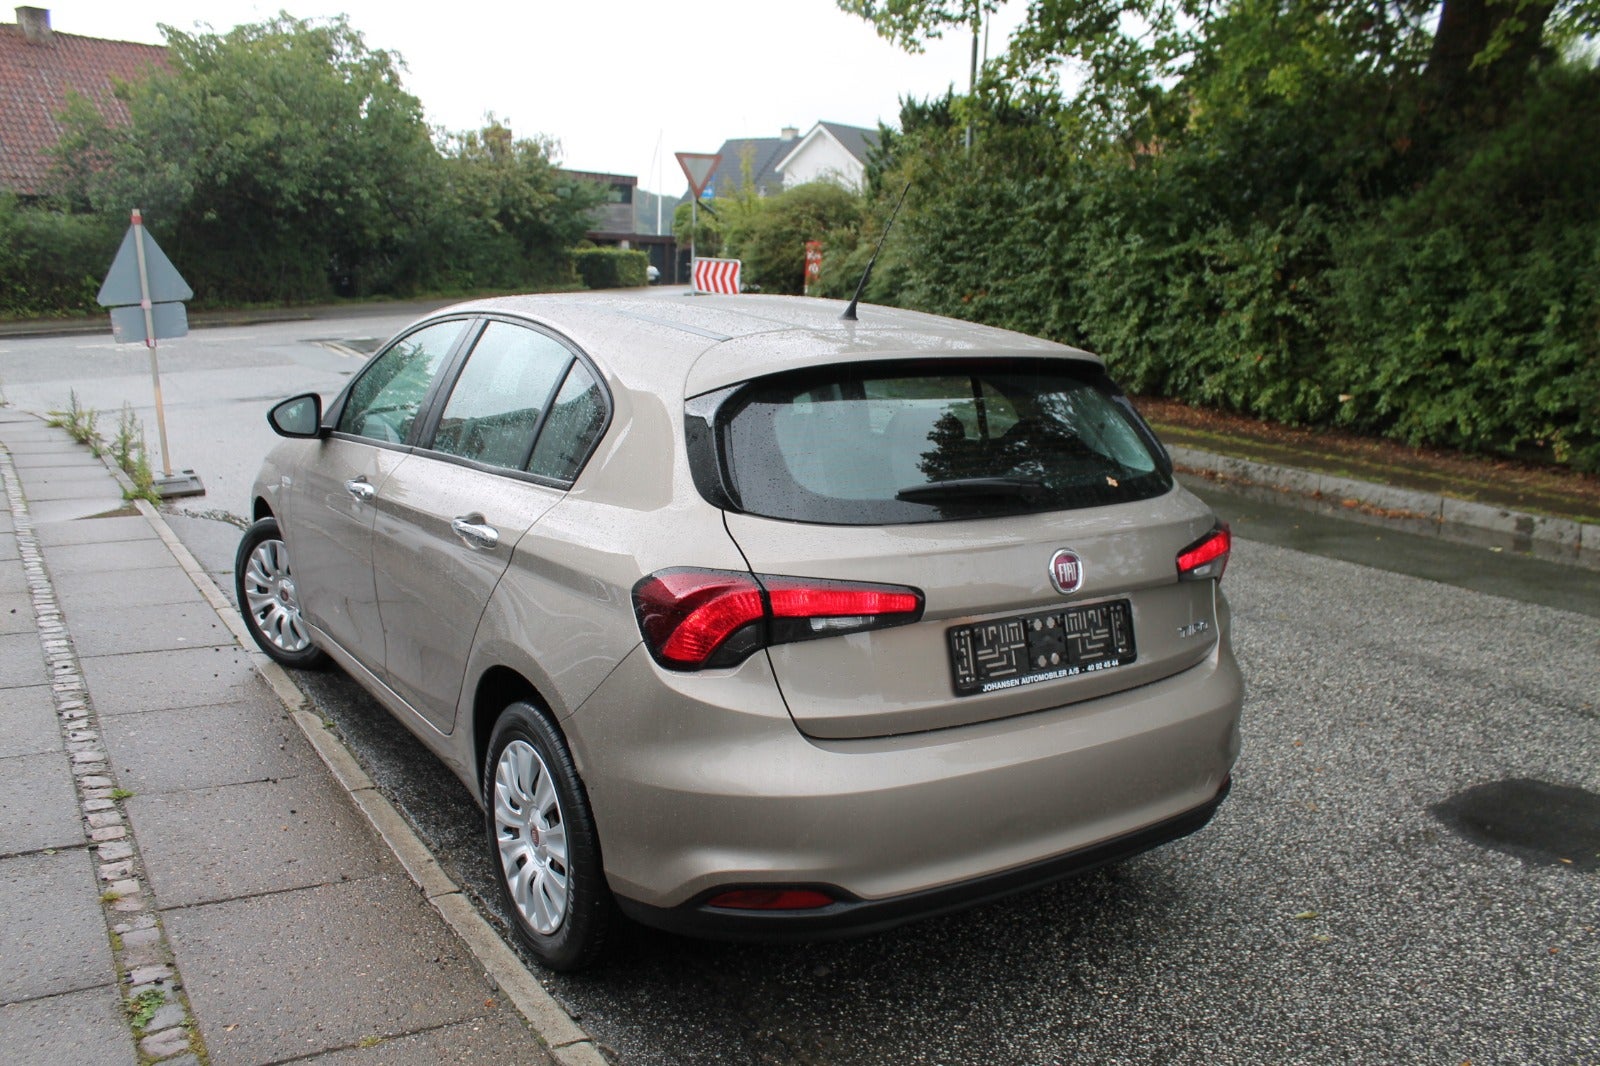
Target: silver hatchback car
[{"x": 745, "y": 620}]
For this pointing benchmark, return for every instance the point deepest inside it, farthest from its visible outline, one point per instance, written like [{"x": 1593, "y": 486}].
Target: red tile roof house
[{"x": 39, "y": 70}]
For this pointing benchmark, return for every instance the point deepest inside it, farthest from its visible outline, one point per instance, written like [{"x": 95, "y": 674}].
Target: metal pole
[
  {"x": 150, "y": 339},
  {"x": 972, "y": 84},
  {"x": 694, "y": 224}
]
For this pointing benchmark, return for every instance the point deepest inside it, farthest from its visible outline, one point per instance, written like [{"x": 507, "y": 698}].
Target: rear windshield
[{"x": 871, "y": 444}]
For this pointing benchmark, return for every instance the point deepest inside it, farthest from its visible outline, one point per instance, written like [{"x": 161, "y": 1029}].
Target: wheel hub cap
[
  {"x": 270, "y": 597},
  {"x": 532, "y": 837}
]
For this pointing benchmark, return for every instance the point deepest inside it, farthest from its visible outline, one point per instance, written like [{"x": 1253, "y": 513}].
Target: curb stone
[{"x": 1560, "y": 540}]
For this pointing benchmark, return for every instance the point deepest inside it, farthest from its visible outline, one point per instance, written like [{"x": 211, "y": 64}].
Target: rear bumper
[
  {"x": 855, "y": 917},
  {"x": 701, "y": 783}
]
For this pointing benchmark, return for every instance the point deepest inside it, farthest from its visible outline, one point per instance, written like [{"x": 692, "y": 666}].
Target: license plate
[{"x": 1030, "y": 648}]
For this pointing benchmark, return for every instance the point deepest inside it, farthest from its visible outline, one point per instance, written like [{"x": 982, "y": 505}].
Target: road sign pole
[
  {"x": 698, "y": 169},
  {"x": 150, "y": 339}
]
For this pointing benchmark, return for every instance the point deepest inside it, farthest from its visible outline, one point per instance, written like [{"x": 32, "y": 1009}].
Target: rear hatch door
[{"x": 974, "y": 483}]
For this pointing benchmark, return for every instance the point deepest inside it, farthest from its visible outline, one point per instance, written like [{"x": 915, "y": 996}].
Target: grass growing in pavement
[
  {"x": 143, "y": 1007},
  {"x": 127, "y": 448}
]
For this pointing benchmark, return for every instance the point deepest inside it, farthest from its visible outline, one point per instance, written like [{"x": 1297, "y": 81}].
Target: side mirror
[{"x": 298, "y": 416}]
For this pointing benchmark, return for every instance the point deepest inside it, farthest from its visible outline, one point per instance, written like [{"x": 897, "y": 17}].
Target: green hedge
[
  {"x": 52, "y": 262},
  {"x": 1447, "y": 296},
  {"x": 611, "y": 268}
]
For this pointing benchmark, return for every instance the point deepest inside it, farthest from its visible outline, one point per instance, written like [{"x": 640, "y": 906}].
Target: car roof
[{"x": 705, "y": 342}]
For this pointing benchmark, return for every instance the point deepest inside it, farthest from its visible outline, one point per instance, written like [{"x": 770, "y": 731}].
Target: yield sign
[
  {"x": 122, "y": 287},
  {"x": 698, "y": 169}
]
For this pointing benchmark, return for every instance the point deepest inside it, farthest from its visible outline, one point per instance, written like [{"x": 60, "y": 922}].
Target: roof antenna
[{"x": 850, "y": 312}]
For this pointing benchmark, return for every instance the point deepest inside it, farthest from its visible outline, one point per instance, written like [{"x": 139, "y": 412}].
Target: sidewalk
[{"x": 193, "y": 870}]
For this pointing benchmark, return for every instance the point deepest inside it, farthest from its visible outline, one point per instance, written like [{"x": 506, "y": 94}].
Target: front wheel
[
  {"x": 542, "y": 840},
  {"x": 268, "y": 598}
]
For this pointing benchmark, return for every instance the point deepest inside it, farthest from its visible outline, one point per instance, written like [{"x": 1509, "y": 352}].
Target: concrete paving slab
[
  {"x": 107, "y": 558},
  {"x": 205, "y": 747},
  {"x": 68, "y": 467},
  {"x": 13, "y": 580},
  {"x": 8, "y": 548},
  {"x": 71, "y": 457},
  {"x": 16, "y": 613},
  {"x": 296, "y": 973},
  {"x": 111, "y": 504},
  {"x": 98, "y": 628},
  {"x": 134, "y": 588},
  {"x": 241, "y": 840},
  {"x": 38, "y": 804},
  {"x": 95, "y": 531},
  {"x": 52, "y": 930},
  {"x": 44, "y": 440},
  {"x": 22, "y": 661},
  {"x": 67, "y": 483},
  {"x": 500, "y": 1038},
  {"x": 162, "y": 680},
  {"x": 28, "y": 723},
  {"x": 79, "y": 1027}
]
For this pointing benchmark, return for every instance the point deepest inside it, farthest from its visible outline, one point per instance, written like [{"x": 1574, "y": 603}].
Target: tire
[
  {"x": 542, "y": 840},
  {"x": 268, "y": 599}
]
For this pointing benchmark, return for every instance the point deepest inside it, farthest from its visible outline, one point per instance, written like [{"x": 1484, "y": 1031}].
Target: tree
[
  {"x": 1475, "y": 55},
  {"x": 772, "y": 240},
  {"x": 706, "y": 227},
  {"x": 279, "y": 160},
  {"x": 511, "y": 212}
]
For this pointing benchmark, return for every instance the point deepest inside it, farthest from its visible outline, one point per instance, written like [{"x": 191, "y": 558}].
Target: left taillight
[
  {"x": 1208, "y": 556},
  {"x": 694, "y": 619}
]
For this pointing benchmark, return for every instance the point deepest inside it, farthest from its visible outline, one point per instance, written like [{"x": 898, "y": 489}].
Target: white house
[{"x": 829, "y": 152}]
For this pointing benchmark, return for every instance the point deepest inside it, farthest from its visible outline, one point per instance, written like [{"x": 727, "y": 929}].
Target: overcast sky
[{"x": 610, "y": 79}]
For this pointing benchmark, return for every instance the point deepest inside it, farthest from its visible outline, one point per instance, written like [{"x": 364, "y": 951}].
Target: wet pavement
[{"x": 182, "y": 879}]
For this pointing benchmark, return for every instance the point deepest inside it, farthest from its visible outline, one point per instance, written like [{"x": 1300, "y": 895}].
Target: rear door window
[
  {"x": 495, "y": 404},
  {"x": 574, "y": 424},
  {"x": 868, "y": 444}
]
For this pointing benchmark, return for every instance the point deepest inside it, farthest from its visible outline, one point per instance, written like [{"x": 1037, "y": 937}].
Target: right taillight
[
  {"x": 1208, "y": 556},
  {"x": 694, "y": 619}
]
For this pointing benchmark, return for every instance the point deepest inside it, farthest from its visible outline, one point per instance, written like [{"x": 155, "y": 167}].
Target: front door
[{"x": 330, "y": 534}]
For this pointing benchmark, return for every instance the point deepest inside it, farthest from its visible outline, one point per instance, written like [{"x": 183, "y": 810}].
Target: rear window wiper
[{"x": 971, "y": 488}]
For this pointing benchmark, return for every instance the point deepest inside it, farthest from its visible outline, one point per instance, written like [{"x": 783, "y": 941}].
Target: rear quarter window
[{"x": 869, "y": 444}]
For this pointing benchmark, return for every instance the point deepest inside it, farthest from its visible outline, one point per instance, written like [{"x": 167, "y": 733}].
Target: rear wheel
[
  {"x": 542, "y": 840},
  {"x": 269, "y": 600}
]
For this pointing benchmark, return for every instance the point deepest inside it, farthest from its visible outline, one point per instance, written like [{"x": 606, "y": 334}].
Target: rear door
[
  {"x": 1023, "y": 498},
  {"x": 504, "y": 448}
]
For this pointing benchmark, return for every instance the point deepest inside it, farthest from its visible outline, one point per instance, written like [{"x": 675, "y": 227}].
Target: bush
[
  {"x": 611, "y": 268},
  {"x": 1445, "y": 293},
  {"x": 771, "y": 241},
  {"x": 1468, "y": 311},
  {"x": 51, "y": 262}
]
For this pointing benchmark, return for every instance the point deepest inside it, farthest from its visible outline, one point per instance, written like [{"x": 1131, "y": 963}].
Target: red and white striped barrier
[{"x": 717, "y": 275}]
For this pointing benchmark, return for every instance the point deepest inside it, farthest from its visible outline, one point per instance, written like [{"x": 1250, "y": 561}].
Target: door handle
[
  {"x": 475, "y": 531},
  {"x": 361, "y": 489}
]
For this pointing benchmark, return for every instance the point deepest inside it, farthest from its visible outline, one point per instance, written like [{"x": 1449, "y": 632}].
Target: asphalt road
[{"x": 1387, "y": 882}]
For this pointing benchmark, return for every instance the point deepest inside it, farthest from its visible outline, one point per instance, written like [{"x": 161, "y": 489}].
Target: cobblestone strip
[{"x": 157, "y": 1008}]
